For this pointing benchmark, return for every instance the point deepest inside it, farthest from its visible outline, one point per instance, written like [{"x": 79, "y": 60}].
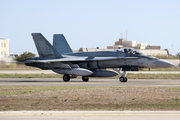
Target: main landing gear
[
  {"x": 85, "y": 79},
  {"x": 67, "y": 78},
  {"x": 123, "y": 77}
]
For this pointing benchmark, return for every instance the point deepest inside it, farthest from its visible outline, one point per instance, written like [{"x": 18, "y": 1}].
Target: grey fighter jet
[{"x": 62, "y": 60}]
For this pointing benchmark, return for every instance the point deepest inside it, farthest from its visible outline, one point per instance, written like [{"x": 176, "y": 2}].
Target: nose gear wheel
[{"x": 123, "y": 79}]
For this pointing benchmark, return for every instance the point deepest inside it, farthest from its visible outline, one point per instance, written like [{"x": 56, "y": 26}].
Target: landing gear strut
[
  {"x": 123, "y": 77},
  {"x": 66, "y": 78},
  {"x": 85, "y": 79}
]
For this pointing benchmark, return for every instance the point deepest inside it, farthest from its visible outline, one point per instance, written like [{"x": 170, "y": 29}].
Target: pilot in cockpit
[{"x": 131, "y": 51}]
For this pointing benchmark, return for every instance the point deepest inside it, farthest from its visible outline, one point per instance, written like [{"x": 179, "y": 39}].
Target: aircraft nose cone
[{"x": 163, "y": 64}]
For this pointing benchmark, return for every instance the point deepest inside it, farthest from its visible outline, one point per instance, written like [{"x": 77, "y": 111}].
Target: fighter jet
[{"x": 62, "y": 60}]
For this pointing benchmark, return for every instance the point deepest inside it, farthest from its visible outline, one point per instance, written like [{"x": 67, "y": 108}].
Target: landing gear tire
[
  {"x": 123, "y": 79},
  {"x": 66, "y": 78},
  {"x": 85, "y": 79}
]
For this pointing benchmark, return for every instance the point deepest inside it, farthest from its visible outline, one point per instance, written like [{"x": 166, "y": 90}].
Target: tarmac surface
[
  {"x": 92, "y": 82},
  {"x": 90, "y": 115},
  {"x": 51, "y": 72}
]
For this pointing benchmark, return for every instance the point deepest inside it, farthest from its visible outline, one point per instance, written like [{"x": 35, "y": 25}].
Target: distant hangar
[{"x": 142, "y": 47}]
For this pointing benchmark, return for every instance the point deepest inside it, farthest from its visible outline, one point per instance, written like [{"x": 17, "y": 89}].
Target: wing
[{"x": 73, "y": 59}]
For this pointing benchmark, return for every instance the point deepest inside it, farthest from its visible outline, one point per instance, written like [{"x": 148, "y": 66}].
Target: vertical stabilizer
[
  {"x": 44, "y": 48},
  {"x": 60, "y": 44}
]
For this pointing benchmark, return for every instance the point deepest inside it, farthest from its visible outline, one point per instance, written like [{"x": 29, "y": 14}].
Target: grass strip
[{"x": 88, "y": 98}]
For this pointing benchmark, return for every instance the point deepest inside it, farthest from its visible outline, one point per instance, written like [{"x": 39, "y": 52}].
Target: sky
[{"x": 91, "y": 23}]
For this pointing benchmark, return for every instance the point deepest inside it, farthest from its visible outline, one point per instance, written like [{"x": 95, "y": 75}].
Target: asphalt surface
[
  {"x": 92, "y": 82},
  {"x": 51, "y": 72},
  {"x": 90, "y": 115}
]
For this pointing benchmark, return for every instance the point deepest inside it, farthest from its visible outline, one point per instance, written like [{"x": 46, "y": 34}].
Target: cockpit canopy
[{"x": 129, "y": 50}]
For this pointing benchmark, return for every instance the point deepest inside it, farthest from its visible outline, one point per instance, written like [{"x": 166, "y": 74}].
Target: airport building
[
  {"x": 4, "y": 47},
  {"x": 133, "y": 44},
  {"x": 142, "y": 47},
  {"x": 4, "y": 52}
]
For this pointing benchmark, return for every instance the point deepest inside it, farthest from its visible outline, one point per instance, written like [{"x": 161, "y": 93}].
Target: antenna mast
[{"x": 126, "y": 34}]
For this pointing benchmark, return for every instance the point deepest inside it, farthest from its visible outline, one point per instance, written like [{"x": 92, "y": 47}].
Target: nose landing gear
[{"x": 123, "y": 77}]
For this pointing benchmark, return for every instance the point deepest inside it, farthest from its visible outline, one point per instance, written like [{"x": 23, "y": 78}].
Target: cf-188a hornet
[{"x": 60, "y": 59}]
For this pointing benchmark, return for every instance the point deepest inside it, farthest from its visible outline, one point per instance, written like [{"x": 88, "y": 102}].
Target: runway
[
  {"x": 92, "y": 82},
  {"x": 90, "y": 115},
  {"x": 51, "y": 72}
]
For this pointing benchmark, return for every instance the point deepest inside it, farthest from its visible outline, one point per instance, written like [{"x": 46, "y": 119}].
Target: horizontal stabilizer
[{"x": 27, "y": 61}]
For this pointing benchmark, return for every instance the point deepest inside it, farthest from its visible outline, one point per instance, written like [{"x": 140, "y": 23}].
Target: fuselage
[{"x": 142, "y": 61}]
